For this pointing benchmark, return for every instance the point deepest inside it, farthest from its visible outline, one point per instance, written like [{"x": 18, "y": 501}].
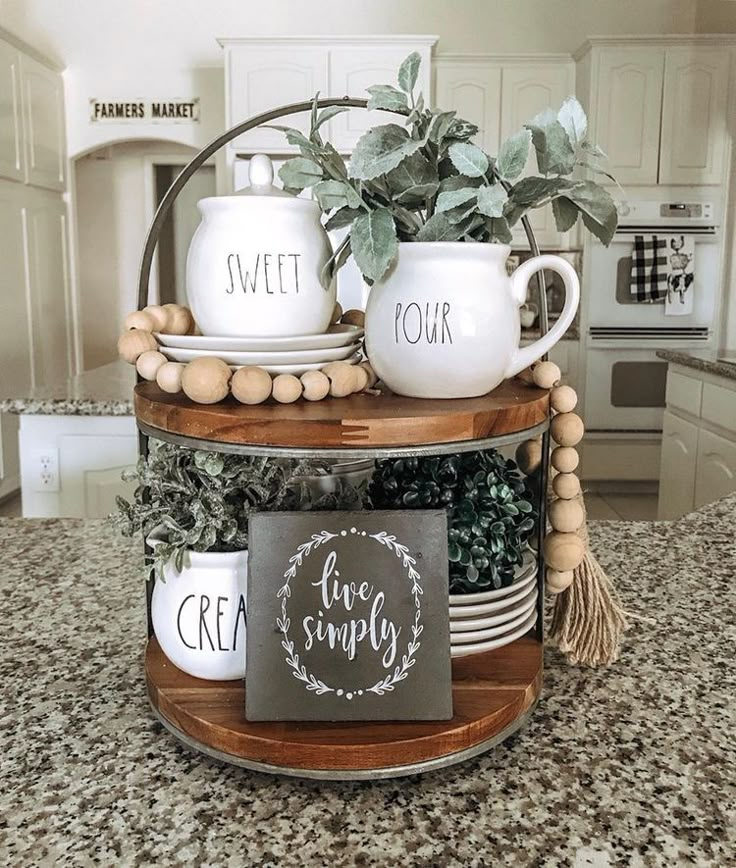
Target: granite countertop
[
  {"x": 710, "y": 362},
  {"x": 104, "y": 391},
  {"x": 630, "y": 765}
]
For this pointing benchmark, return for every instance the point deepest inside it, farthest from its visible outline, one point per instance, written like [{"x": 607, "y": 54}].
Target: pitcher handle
[{"x": 524, "y": 356}]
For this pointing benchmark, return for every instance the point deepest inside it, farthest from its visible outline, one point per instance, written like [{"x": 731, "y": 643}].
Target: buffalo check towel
[{"x": 662, "y": 270}]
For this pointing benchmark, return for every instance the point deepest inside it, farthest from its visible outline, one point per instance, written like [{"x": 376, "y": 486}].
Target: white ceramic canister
[
  {"x": 254, "y": 267},
  {"x": 444, "y": 322},
  {"x": 199, "y": 616}
]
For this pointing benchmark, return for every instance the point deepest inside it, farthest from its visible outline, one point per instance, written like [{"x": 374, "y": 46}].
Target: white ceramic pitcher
[{"x": 444, "y": 322}]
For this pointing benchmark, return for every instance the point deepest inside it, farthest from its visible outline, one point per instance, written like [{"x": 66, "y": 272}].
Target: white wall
[{"x": 114, "y": 207}]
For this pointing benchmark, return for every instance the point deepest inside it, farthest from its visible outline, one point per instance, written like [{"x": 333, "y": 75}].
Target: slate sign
[{"x": 348, "y": 616}]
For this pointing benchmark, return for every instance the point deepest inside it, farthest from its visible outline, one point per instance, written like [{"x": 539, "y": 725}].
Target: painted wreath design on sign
[{"x": 408, "y": 659}]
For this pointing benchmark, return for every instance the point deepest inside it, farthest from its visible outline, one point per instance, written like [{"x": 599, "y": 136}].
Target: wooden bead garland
[
  {"x": 529, "y": 456},
  {"x": 139, "y": 319},
  {"x": 159, "y": 316},
  {"x": 567, "y": 429},
  {"x": 566, "y": 486},
  {"x": 179, "y": 319},
  {"x": 134, "y": 343},
  {"x": 563, "y": 399},
  {"x": 251, "y": 385},
  {"x": 566, "y": 516},
  {"x": 168, "y": 377},
  {"x": 148, "y": 364},
  {"x": 558, "y": 582},
  {"x": 354, "y": 317},
  {"x": 565, "y": 459},
  {"x": 546, "y": 374},
  {"x": 206, "y": 380},
  {"x": 287, "y": 388},
  {"x": 563, "y": 551},
  {"x": 316, "y": 385}
]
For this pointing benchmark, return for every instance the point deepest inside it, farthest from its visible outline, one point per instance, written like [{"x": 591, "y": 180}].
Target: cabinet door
[
  {"x": 526, "y": 91},
  {"x": 627, "y": 111},
  {"x": 43, "y": 107},
  {"x": 716, "y": 468},
  {"x": 11, "y": 128},
  {"x": 473, "y": 90},
  {"x": 355, "y": 68},
  {"x": 677, "y": 467},
  {"x": 49, "y": 294},
  {"x": 90, "y": 469},
  {"x": 259, "y": 78},
  {"x": 694, "y": 108}
]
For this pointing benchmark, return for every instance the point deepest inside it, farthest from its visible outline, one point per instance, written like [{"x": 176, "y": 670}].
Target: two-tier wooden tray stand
[{"x": 493, "y": 693}]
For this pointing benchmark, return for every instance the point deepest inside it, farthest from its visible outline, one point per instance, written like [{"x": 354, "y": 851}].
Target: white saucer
[
  {"x": 475, "y": 636},
  {"x": 520, "y": 589},
  {"x": 286, "y": 357},
  {"x": 296, "y": 370},
  {"x": 480, "y": 647},
  {"x": 336, "y": 336},
  {"x": 521, "y": 572},
  {"x": 461, "y": 625}
]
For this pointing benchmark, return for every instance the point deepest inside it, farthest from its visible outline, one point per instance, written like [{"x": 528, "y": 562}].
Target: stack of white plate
[
  {"x": 293, "y": 355},
  {"x": 491, "y": 619}
]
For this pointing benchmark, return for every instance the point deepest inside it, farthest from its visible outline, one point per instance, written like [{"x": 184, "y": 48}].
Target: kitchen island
[{"x": 630, "y": 765}]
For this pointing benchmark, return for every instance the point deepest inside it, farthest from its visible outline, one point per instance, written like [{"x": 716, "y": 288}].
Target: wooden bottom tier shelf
[{"x": 493, "y": 695}]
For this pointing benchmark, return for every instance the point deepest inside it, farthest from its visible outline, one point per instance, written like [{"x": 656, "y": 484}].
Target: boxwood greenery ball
[{"x": 489, "y": 510}]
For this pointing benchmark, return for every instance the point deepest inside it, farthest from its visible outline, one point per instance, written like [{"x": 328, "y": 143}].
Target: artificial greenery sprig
[
  {"x": 201, "y": 501},
  {"x": 426, "y": 180}
]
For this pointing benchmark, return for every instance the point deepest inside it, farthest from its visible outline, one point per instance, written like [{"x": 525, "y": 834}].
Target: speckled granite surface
[
  {"x": 104, "y": 391},
  {"x": 630, "y": 766},
  {"x": 709, "y": 362}
]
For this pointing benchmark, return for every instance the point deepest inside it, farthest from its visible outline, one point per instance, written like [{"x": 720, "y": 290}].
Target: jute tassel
[{"x": 588, "y": 620}]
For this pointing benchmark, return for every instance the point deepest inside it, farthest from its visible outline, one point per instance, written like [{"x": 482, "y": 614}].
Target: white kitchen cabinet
[
  {"x": 528, "y": 89},
  {"x": 694, "y": 110},
  {"x": 472, "y": 88},
  {"x": 626, "y": 113},
  {"x": 48, "y": 287},
  {"x": 43, "y": 122},
  {"x": 91, "y": 454},
  {"x": 679, "y": 457},
  {"x": 715, "y": 475},
  {"x": 355, "y": 68},
  {"x": 12, "y": 163},
  {"x": 262, "y": 77}
]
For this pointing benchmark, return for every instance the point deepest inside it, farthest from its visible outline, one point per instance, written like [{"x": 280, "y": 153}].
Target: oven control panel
[{"x": 687, "y": 210}]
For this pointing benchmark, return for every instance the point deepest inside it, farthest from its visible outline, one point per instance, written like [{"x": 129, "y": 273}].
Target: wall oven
[{"x": 625, "y": 382}]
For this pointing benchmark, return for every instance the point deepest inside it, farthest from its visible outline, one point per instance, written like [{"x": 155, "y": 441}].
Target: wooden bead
[
  {"x": 567, "y": 429},
  {"x": 563, "y": 399},
  {"x": 563, "y": 551},
  {"x": 336, "y": 313},
  {"x": 148, "y": 364},
  {"x": 372, "y": 376},
  {"x": 565, "y": 459},
  {"x": 139, "y": 319},
  {"x": 566, "y": 516},
  {"x": 287, "y": 388},
  {"x": 168, "y": 377},
  {"x": 316, "y": 385},
  {"x": 354, "y": 317},
  {"x": 159, "y": 316},
  {"x": 206, "y": 380},
  {"x": 546, "y": 374},
  {"x": 566, "y": 486},
  {"x": 360, "y": 375},
  {"x": 134, "y": 343},
  {"x": 342, "y": 378},
  {"x": 180, "y": 320},
  {"x": 529, "y": 456},
  {"x": 251, "y": 385},
  {"x": 558, "y": 582}
]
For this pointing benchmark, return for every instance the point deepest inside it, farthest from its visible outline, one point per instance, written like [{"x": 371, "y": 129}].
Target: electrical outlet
[{"x": 45, "y": 470}]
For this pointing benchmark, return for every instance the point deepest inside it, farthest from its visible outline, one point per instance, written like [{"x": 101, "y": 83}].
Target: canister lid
[{"x": 260, "y": 175}]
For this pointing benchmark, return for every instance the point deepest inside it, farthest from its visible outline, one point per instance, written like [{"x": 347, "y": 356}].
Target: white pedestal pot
[
  {"x": 254, "y": 267},
  {"x": 199, "y": 614},
  {"x": 444, "y": 322}
]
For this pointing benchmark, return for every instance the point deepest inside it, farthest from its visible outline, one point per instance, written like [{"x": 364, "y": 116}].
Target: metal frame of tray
[{"x": 340, "y": 454}]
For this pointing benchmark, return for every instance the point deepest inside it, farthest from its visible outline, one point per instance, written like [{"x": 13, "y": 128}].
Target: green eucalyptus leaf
[
  {"x": 328, "y": 113},
  {"x": 555, "y": 152},
  {"x": 385, "y": 96},
  {"x": 380, "y": 150},
  {"x": 468, "y": 159},
  {"x": 598, "y": 209},
  {"x": 593, "y": 150},
  {"x": 373, "y": 241},
  {"x": 566, "y": 213},
  {"x": 294, "y": 137},
  {"x": 342, "y": 218},
  {"x": 336, "y": 194},
  {"x": 459, "y": 182},
  {"x": 409, "y": 71},
  {"x": 299, "y": 173},
  {"x": 452, "y": 198},
  {"x": 533, "y": 192},
  {"x": 498, "y": 230},
  {"x": 440, "y": 127},
  {"x": 462, "y": 130},
  {"x": 491, "y": 200},
  {"x": 414, "y": 180},
  {"x": 439, "y": 228},
  {"x": 571, "y": 117},
  {"x": 513, "y": 155}
]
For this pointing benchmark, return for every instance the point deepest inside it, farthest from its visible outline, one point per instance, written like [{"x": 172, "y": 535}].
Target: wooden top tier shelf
[{"x": 361, "y": 424}]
